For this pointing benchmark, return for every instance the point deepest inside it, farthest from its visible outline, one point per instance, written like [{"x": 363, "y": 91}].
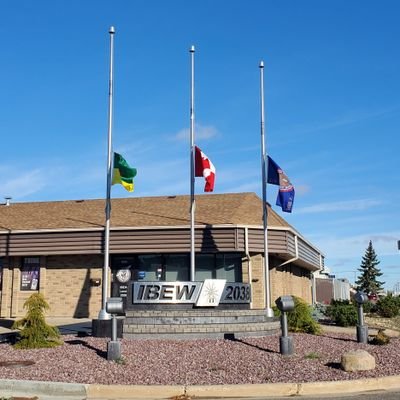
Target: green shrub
[
  {"x": 35, "y": 333},
  {"x": 388, "y": 306},
  {"x": 318, "y": 312},
  {"x": 342, "y": 313},
  {"x": 300, "y": 319},
  {"x": 369, "y": 307}
]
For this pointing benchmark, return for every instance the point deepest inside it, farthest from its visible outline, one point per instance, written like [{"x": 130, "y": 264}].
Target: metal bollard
[
  {"x": 362, "y": 330},
  {"x": 114, "y": 306},
  {"x": 285, "y": 304}
]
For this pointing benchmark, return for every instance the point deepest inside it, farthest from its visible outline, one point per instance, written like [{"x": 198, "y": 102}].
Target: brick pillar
[
  {"x": 6, "y": 292},
  {"x": 15, "y": 286},
  {"x": 257, "y": 286}
]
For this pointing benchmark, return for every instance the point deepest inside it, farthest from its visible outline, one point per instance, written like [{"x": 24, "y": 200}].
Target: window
[
  {"x": 205, "y": 267},
  {"x": 219, "y": 266},
  {"x": 229, "y": 267},
  {"x": 30, "y": 273},
  {"x": 176, "y": 267},
  {"x": 149, "y": 268}
]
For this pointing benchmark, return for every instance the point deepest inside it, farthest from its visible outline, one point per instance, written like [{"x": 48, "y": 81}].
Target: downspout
[
  {"x": 246, "y": 249},
  {"x": 314, "y": 286},
  {"x": 313, "y": 290}
]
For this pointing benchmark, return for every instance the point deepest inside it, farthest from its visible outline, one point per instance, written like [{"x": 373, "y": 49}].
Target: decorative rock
[{"x": 357, "y": 360}]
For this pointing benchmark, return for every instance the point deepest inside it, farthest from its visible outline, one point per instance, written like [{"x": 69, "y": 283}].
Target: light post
[
  {"x": 362, "y": 330},
  {"x": 114, "y": 306},
  {"x": 285, "y": 304}
]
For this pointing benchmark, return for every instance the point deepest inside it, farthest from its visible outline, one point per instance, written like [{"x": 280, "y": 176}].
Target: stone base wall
[{"x": 196, "y": 323}]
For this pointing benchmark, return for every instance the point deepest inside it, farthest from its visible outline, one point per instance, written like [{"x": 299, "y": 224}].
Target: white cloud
[
  {"x": 353, "y": 116},
  {"x": 200, "y": 131},
  {"x": 350, "y": 205},
  {"x": 24, "y": 185},
  {"x": 343, "y": 247},
  {"x": 302, "y": 189}
]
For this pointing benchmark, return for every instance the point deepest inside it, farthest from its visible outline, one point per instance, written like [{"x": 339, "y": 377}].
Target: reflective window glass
[{"x": 176, "y": 267}]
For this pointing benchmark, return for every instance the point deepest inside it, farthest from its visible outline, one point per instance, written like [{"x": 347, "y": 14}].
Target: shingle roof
[{"x": 211, "y": 209}]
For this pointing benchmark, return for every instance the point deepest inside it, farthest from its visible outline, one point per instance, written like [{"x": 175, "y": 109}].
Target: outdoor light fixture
[
  {"x": 285, "y": 304},
  {"x": 362, "y": 330},
  {"x": 114, "y": 306}
]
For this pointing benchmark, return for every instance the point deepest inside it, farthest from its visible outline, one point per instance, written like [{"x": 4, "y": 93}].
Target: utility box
[{"x": 285, "y": 303}]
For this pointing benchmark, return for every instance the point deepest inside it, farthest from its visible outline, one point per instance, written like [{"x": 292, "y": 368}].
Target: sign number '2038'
[{"x": 236, "y": 293}]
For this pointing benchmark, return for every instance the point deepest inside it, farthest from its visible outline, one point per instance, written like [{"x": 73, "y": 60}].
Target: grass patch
[{"x": 312, "y": 356}]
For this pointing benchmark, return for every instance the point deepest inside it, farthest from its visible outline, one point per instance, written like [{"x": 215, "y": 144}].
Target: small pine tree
[
  {"x": 367, "y": 281},
  {"x": 35, "y": 333},
  {"x": 300, "y": 318}
]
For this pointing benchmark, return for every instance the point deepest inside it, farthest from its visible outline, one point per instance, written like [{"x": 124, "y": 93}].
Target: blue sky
[{"x": 332, "y": 97}]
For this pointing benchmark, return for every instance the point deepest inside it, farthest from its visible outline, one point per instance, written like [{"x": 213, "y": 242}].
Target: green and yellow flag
[{"x": 123, "y": 173}]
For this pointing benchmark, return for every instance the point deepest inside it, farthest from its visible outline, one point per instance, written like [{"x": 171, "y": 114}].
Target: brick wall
[
  {"x": 64, "y": 281},
  {"x": 257, "y": 286},
  {"x": 67, "y": 286},
  {"x": 286, "y": 280},
  {"x": 289, "y": 279}
]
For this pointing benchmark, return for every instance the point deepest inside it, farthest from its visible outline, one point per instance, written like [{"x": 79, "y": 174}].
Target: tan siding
[
  {"x": 277, "y": 241},
  {"x": 207, "y": 240},
  {"x": 20, "y": 244},
  {"x": 134, "y": 241},
  {"x": 308, "y": 254},
  {"x": 291, "y": 244}
]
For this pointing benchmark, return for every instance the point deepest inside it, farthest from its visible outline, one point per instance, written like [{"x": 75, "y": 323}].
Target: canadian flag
[{"x": 204, "y": 167}]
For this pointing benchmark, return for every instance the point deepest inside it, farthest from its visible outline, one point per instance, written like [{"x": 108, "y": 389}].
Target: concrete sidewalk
[
  {"x": 72, "y": 391},
  {"x": 67, "y": 326}
]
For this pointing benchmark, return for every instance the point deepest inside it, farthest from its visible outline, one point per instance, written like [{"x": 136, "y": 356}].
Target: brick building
[{"x": 57, "y": 248}]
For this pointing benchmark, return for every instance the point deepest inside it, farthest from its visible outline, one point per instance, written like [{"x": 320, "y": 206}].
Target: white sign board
[{"x": 211, "y": 293}]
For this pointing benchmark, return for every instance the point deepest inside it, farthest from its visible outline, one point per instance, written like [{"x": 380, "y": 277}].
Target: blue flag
[{"x": 276, "y": 176}]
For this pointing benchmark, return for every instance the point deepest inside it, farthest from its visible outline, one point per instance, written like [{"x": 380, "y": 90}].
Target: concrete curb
[
  {"x": 134, "y": 391},
  {"x": 61, "y": 390},
  {"x": 10, "y": 387}
]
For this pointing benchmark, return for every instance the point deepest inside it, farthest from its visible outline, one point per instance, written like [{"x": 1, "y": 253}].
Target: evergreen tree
[
  {"x": 367, "y": 280},
  {"x": 35, "y": 332}
]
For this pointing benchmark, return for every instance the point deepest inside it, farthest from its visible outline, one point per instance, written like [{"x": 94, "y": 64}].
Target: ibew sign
[{"x": 211, "y": 292}]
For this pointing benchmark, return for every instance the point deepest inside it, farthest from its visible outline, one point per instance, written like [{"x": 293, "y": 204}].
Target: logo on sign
[
  {"x": 123, "y": 275},
  {"x": 211, "y": 292}
]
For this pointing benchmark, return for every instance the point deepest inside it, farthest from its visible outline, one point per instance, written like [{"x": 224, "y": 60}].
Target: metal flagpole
[
  {"x": 103, "y": 314},
  {"x": 264, "y": 169},
  {"x": 192, "y": 161}
]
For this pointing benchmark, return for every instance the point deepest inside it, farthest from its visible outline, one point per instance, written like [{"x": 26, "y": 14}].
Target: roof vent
[{"x": 8, "y": 200}]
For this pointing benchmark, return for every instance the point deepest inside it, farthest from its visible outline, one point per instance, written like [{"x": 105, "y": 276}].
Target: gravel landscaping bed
[{"x": 201, "y": 362}]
